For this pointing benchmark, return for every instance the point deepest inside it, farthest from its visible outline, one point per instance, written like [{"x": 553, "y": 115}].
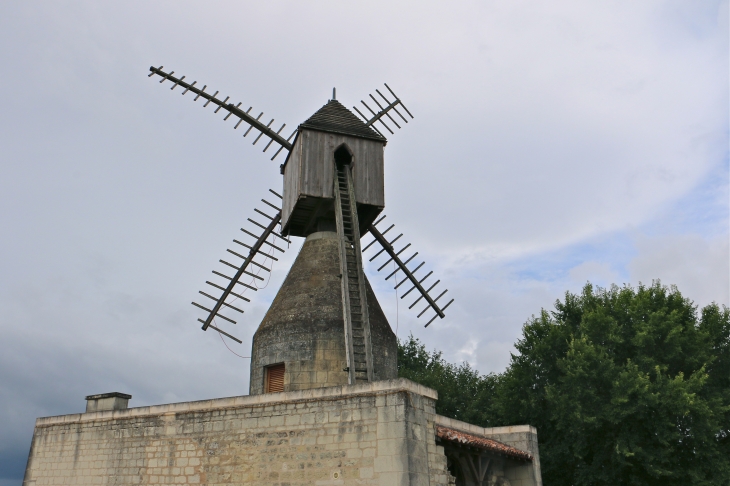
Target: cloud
[
  {"x": 552, "y": 144},
  {"x": 698, "y": 266}
]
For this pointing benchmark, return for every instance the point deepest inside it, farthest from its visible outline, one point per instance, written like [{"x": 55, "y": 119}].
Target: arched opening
[{"x": 343, "y": 155}]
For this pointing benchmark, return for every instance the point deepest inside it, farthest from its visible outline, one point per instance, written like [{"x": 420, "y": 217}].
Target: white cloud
[{"x": 699, "y": 267}]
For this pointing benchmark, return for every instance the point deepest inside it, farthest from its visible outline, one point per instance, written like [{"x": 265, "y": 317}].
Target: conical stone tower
[{"x": 304, "y": 329}]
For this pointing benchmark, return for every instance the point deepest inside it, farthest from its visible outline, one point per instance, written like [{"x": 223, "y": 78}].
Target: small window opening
[
  {"x": 342, "y": 156},
  {"x": 275, "y": 378}
]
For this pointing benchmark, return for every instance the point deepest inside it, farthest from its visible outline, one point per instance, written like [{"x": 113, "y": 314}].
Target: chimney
[{"x": 107, "y": 401}]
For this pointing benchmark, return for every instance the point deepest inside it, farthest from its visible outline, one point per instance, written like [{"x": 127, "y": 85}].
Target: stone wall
[{"x": 377, "y": 433}]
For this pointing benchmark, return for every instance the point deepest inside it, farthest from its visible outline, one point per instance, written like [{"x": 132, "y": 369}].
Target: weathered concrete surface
[
  {"x": 304, "y": 326},
  {"x": 378, "y": 433}
]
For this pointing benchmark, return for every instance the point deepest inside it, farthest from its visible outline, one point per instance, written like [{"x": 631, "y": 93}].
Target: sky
[{"x": 553, "y": 144}]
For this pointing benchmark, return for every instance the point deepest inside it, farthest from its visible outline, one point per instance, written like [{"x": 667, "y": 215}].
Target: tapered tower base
[{"x": 304, "y": 327}]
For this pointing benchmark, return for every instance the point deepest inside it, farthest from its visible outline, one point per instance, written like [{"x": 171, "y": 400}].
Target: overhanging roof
[{"x": 491, "y": 445}]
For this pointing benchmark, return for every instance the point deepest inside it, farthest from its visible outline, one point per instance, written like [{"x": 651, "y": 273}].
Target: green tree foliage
[
  {"x": 626, "y": 386},
  {"x": 464, "y": 394}
]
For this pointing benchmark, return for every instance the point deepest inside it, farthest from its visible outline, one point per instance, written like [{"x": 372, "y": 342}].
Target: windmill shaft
[
  {"x": 394, "y": 256},
  {"x": 256, "y": 247}
]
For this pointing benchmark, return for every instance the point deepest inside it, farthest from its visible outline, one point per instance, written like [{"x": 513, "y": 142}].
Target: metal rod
[
  {"x": 219, "y": 315},
  {"x": 395, "y": 109},
  {"x": 221, "y": 105},
  {"x": 420, "y": 281},
  {"x": 224, "y": 303},
  {"x": 437, "y": 298},
  {"x": 262, "y": 132},
  {"x": 196, "y": 98},
  {"x": 385, "y": 111},
  {"x": 365, "y": 119},
  {"x": 259, "y": 251},
  {"x": 404, "y": 280},
  {"x": 389, "y": 260},
  {"x": 381, "y": 251},
  {"x": 404, "y": 263},
  {"x": 272, "y": 140},
  {"x": 222, "y": 332},
  {"x": 210, "y": 98},
  {"x": 153, "y": 72},
  {"x": 275, "y": 193},
  {"x": 240, "y": 271},
  {"x": 379, "y": 220},
  {"x": 251, "y": 127},
  {"x": 442, "y": 309},
  {"x": 223, "y": 288},
  {"x": 231, "y": 113},
  {"x": 252, "y": 261},
  {"x": 263, "y": 213},
  {"x": 245, "y": 271},
  {"x": 376, "y": 117},
  {"x": 272, "y": 205},
  {"x": 265, "y": 242},
  {"x": 178, "y": 82},
  {"x": 239, "y": 283},
  {"x": 273, "y": 232},
  {"x": 401, "y": 103},
  {"x": 369, "y": 245},
  {"x": 427, "y": 291},
  {"x": 188, "y": 89}
]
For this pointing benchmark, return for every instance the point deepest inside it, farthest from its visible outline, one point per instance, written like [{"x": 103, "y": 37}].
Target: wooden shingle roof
[
  {"x": 491, "y": 445},
  {"x": 334, "y": 117}
]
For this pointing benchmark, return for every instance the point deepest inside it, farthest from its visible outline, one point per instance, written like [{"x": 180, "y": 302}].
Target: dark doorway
[{"x": 343, "y": 156}]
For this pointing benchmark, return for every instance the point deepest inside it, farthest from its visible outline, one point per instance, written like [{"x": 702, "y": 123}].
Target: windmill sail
[
  {"x": 417, "y": 284},
  {"x": 244, "y": 116},
  {"x": 230, "y": 294},
  {"x": 383, "y": 111}
]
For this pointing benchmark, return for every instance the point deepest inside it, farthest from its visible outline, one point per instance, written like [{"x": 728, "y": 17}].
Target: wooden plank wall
[
  {"x": 309, "y": 170},
  {"x": 317, "y": 166},
  {"x": 291, "y": 180}
]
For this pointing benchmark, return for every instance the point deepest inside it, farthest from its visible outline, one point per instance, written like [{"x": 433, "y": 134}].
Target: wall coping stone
[
  {"x": 488, "y": 432},
  {"x": 383, "y": 387}
]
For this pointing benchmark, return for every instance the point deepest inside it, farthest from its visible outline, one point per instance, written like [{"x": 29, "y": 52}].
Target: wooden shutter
[{"x": 275, "y": 378}]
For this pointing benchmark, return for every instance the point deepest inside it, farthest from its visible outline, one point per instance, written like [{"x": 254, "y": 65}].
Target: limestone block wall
[
  {"x": 377, "y": 433},
  {"x": 523, "y": 437}
]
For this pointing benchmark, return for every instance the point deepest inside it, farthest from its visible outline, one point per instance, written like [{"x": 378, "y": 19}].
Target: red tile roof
[{"x": 491, "y": 445}]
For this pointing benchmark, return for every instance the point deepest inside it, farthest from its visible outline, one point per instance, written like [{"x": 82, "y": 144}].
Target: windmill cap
[{"x": 335, "y": 118}]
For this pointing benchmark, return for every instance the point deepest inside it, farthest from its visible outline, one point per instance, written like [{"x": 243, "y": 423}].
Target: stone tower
[{"x": 300, "y": 343}]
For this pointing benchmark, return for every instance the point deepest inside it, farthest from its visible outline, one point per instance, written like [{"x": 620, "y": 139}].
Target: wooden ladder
[{"x": 354, "y": 299}]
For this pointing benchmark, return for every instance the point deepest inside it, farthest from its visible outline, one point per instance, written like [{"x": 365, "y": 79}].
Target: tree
[
  {"x": 626, "y": 386},
  {"x": 464, "y": 394}
]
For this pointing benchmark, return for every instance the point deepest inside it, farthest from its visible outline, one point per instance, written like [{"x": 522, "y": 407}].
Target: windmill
[{"x": 333, "y": 194}]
